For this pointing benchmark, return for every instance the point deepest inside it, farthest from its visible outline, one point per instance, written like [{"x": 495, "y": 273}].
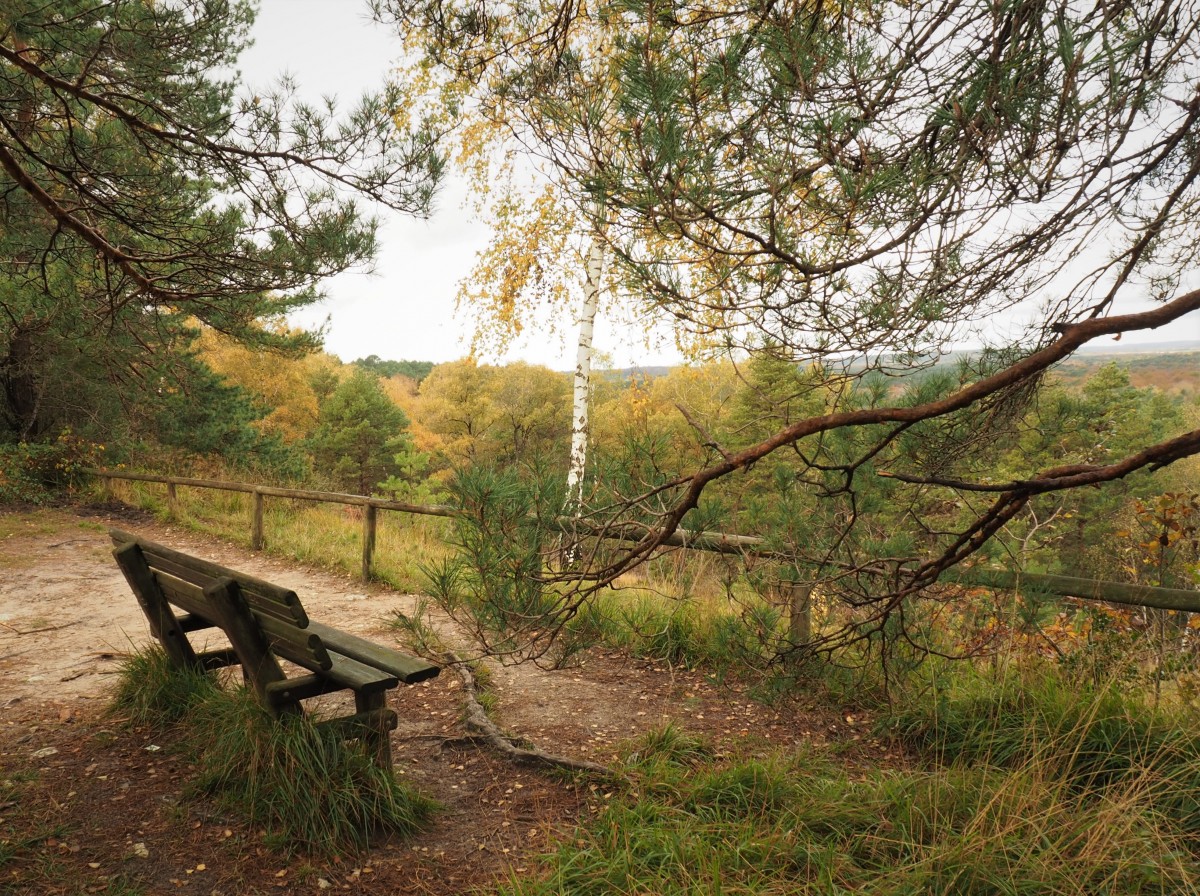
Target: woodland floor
[{"x": 98, "y": 802}]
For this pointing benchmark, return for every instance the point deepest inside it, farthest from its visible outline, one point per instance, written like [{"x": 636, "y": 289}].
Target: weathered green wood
[
  {"x": 360, "y": 676},
  {"x": 409, "y": 669},
  {"x": 190, "y": 622},
  {"x": 371, "y": 727},
  {"x": 257, "y": 542},
  {"x": 374, "y": 735},
  {"x": 302, "y": 687},
  {"x": 294, "y": 493},
  {"x": 368, "y": 541},
  {"x": 1087, "y": 589},
  {"x": 265, "y": 623},
  {"x": 344, "y": 674},
  {"x": 190, "y": 593},
  {"x": 163, "y": 624},
  {"x": 283, "y": 635},
  {"x": 233, "y": 613},
  {"x": 219, "y": 658},
  {"x": 201, "y": 572}
]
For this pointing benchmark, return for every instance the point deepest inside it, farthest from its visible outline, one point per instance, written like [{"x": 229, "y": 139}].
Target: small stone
[{"x": 141, "y": 850}]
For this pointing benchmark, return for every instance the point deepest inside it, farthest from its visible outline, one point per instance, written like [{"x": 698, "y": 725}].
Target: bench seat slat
[
  {"x": 408, "y": 669},
  {"x": 344, "y": 672}
]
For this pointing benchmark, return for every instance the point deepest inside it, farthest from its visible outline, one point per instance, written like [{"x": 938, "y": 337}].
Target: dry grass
[{"x": 325, "y": 535}]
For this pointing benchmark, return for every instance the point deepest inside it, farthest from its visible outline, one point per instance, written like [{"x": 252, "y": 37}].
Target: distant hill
[
  {"x": 1173, "y": 366},
  {"x": 416, "y": 370},
  {"x": 1109, "y": 347},
  {"x": 1175, "y": 371}
]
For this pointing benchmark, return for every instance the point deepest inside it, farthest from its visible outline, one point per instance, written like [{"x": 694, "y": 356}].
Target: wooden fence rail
[
  {"x": 717, "y": 542},
  {"x": 371, "y": 506}
]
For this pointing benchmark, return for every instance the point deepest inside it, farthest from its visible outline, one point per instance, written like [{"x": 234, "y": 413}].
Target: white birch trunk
[{"x": 583, "y": 368}]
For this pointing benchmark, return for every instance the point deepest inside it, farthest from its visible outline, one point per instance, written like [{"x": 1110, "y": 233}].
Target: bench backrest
[{"x": 182, "y": 580}]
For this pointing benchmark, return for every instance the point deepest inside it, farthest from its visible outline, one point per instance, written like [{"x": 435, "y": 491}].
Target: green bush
[{"x": 32, "y": 472}]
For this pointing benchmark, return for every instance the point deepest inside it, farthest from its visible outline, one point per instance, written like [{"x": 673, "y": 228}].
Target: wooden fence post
[
  {"x": 368, "y": 541},
  {"x": 172, "y": 500},
  {"x": 800, "y": 613},
  {"x": 256, "y": 532}
]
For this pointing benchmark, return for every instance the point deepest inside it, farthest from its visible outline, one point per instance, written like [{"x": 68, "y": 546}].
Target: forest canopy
[
  {"x": 142, "y": 197},
  {"x": 828, "y": 197}
]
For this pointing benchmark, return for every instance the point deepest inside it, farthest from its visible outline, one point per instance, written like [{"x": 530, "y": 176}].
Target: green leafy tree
[
  {"x": 1102, "y": 420},
  {"x": 139, "y": 193},
  {"x": 359, "y": 436},
  {"x": 496, "y": 416}
]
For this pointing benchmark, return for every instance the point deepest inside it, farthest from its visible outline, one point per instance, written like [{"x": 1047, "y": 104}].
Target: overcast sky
[{"x": 405, "y": 310}]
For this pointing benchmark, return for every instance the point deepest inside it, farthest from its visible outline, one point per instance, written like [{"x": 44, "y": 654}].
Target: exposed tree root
[{"x": 478, "y": 723}]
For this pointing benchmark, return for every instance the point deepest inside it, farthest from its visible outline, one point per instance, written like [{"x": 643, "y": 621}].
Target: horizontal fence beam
[
  {"x": 259, "y": 492},
  {"x": 299, "y": 494},
  {"x": 715, "y": 542},
  {"x": 1085, "y": 589}
]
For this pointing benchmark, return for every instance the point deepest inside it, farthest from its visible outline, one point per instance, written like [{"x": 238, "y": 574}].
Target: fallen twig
[
  {"x": 477, "y": 721},
  {"x": 34, "y": 631}
]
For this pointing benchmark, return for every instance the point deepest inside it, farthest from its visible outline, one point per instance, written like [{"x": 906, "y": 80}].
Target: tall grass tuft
[
  {"x": 309, "y": 789},
  {"x": 151, "y": 691},
  {"x": 782, "y": 824},
  {"x": 1094, "y": 740}
]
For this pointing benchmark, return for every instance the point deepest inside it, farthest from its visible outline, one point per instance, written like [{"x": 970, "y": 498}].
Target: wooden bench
[{"x": 265, "y": 623}]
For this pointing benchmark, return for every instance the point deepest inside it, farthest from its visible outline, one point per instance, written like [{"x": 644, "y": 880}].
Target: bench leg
[
  {"x": 164, "y": 625},
  {"x": 259, "y": 666},
  {"x": 375, "y": 737}
]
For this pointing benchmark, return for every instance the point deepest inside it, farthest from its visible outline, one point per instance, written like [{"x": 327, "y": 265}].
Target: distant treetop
[{"x": 417, "y": 370}]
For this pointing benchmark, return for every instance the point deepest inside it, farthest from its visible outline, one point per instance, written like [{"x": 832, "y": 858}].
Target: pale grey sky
[{"x": 405, "y": 309}]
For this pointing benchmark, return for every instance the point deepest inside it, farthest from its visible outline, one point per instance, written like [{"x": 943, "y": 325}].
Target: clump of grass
[
  {"x": 782, "y": 824},
  {"x": 307, "y": 787},
  {"x": 152, "y": 691},
  {"x": 670, "y": 745},
  {"x": 720, "y": 640},
  {"x": 303, "y": 784},
  {"x": 1092, "y": 739}
]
